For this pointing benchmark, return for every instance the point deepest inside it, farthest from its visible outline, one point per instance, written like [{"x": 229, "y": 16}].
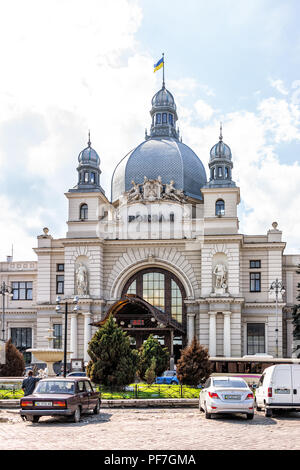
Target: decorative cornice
[
  {"x": 263, "y": 305},
  {"x": 220, "y": 300}
]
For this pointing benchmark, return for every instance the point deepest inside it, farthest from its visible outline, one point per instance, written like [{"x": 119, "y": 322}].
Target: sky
[{"x": 70, "y": 66}]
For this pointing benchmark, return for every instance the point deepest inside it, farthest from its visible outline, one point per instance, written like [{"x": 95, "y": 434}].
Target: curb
[{"x": 129, "y": 403}]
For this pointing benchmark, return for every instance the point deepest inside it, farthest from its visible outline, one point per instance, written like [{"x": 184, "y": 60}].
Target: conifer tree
[
  {"x": 193, "y": 366},
  {"x": 14, "y": 362},
  {"x": 150, "y": 372},
  {"x": 153, "y": 349},
  {"x": 113, "y": 362},
  {"x": 296, "y": 323}
]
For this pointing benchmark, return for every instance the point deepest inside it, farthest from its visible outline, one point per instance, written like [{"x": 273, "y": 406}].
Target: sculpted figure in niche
[
  {"x": 81, "y": 279},
  {"x": 221, "y": 276}
]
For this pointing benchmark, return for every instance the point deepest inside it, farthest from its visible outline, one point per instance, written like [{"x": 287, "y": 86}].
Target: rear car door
[
  {"x": 296, "y": 384},
  {"x": 93, "y": 398},
  {"x": 83, "y": 395},
  {"x": 282, "y": 390}
]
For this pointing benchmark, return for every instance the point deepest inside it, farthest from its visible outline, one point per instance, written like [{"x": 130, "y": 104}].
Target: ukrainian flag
[{"x": 159, "y": 64}]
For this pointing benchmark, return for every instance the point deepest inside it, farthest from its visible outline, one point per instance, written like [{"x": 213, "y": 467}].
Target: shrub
[
  {"x": 150, "y": 372},
  {"x": 152, "y": 349},
  {"x": 15, "y": 364},
  {"x": 193, "y": 366},
  {"x": 113, "y": 362}
]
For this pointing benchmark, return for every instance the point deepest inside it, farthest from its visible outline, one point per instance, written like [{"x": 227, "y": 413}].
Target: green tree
[
  {"x": 296, "y": 322},
  {"x": 193, "y": 366},
  {"x": 150, "y": 372},
  {"x": 113, "y": 362},
  {"x": 14, "y": 362},
  {"x": 152, "y": 349}
]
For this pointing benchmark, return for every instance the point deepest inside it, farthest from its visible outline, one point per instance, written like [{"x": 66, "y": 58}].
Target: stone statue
[
  {"x": 81, "y": 279},
  {"x": 172, "y": 193},
  {"x": 134, "y": 193},
  {"x": 221, "y": 278}
]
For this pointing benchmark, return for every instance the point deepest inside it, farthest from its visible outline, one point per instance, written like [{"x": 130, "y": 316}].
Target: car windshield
[
  {"x": 55, "y": 386},
  {"x": 168, "y": 373},
  {"x": 229, "y": 383}
]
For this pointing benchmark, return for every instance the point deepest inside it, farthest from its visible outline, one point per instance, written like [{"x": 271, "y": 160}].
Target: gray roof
[
  {"x": 165, "y": 157},
  {"x": 89, "y": 156}
]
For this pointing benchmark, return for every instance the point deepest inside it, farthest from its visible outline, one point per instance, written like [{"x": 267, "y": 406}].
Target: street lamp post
[
  {"x": 5, "y": 289},
  {"x": 58, "y": 309},
  {"x": 277, "y": 287}
]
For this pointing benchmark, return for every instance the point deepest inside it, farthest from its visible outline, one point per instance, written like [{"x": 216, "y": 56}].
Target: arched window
[
  {"x": 161, "y": 289},
  {"x": 220, "y": 207},
  {"x": 83, "y": 215},
  {"x": 164, "y": 118}
]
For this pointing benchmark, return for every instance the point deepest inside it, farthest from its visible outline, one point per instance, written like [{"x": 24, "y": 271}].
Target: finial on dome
[
  {"x": 221, "y": 132},
  {"x": 89, "y": 142}
]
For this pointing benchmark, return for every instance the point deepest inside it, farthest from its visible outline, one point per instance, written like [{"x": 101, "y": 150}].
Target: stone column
[
  {"x": 191, "y": 327},
  {"x": 87, "y": 336},
  {"x": 213, "y": 334},
  {"x": 73, "y": 336},
  {"x": 227, "y": 337}
]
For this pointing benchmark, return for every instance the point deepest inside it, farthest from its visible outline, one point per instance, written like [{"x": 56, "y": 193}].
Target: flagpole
[{"x": 163, "y": 69}]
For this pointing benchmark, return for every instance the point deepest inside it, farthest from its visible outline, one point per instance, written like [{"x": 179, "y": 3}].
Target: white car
[
  {"x": 279, "y": 388},
  {"x": 226, "y": 395}
]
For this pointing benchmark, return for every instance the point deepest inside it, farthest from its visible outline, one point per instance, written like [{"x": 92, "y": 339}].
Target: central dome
[{"x": 161, "y": 156}]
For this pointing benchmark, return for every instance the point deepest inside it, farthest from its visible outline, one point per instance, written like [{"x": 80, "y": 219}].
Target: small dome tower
[
  {"x": 220, "y": 165},
  {"x": 88, "y": 170}
]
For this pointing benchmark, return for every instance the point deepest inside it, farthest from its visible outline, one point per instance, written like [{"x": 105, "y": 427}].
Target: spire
[
  {"x": 89, "y": 141},
  {"x": 221, "y": 135}
]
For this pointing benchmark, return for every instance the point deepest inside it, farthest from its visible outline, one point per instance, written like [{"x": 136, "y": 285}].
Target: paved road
[{"x": 155, "y": 429}]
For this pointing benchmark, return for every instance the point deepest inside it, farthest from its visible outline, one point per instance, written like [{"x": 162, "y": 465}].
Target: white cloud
[
  {"x": 279, "y": 86},
  {"x": 204, "y": 110}
]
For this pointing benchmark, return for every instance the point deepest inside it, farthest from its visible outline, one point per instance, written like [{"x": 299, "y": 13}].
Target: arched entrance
[{"x": 152, "y": 302}]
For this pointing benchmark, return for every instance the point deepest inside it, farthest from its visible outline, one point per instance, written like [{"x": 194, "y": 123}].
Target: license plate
[
  {"x": 232, "y": 397},
  {"x": 43, "y": 403},
  {"x": 282, "y": 391}
]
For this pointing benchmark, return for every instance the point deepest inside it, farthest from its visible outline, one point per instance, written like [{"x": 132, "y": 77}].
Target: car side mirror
[{"x": 254, "y": 386}]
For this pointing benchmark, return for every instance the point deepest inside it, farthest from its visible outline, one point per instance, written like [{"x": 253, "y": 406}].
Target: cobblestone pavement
[{"x": 151, "y": 429}]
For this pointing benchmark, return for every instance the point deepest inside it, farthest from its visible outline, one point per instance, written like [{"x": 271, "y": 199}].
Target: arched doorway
[{"x": 164, "y": 291}]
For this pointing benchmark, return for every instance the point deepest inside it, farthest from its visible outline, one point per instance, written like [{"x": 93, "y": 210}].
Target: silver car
[{"x": 226, "y": 395}]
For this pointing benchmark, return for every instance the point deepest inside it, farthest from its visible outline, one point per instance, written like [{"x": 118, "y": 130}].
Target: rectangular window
[
  {"x": 57, "y": 333},
  {"x": 60, "y": 267},
  {"x": 86, "y": 177},
  {"x": 158, "y": 118},
  {"x": 255, "y": 338},
  {"x": 93, "y": 178},
  {"x": 255, "y": 264},
  {"x": 22, "y": 339},
  {"x": 255, "y": 282},
  {"x": 22, "y": 290},
  {"x": 60, "y": 280},
  {"x": 164, "y": 118},
  {"x": 220, "y": 173},
  {"x": 171, "y": 119}
]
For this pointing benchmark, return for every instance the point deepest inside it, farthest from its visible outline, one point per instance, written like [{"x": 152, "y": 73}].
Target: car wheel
[
  {"x": 258, "y": 408},
  {"x": 207, "y": 415},
  {"x": 250, "y": 415},
  {"x": 76, "y": 415},
  {"x": 173, "y": 382},
  {"x": 96, "y": 410},
  {"x": 268, "y": 413}
]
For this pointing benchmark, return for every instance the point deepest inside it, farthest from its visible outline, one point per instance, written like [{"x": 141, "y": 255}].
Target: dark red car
[{"x": 70, "y": 396}]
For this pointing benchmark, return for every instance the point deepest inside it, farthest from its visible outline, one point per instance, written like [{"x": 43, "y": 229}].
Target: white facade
[{"x": 184, "y": 237}]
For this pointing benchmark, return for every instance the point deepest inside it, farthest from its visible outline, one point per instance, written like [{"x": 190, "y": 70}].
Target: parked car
[
  {"x": 226, "y": 395},
  {"x": 69, "y": 397},
  {"x": 76, "y": 374},
  {"x": 169, "y": 377},
  {"x": 279, "y": 388}
]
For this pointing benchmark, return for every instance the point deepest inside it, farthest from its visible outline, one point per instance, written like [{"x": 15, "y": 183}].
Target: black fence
[{"x": 145, "y": 391}]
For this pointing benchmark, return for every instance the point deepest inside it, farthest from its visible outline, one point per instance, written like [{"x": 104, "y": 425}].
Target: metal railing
[{"x": 145, "y": 391}]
